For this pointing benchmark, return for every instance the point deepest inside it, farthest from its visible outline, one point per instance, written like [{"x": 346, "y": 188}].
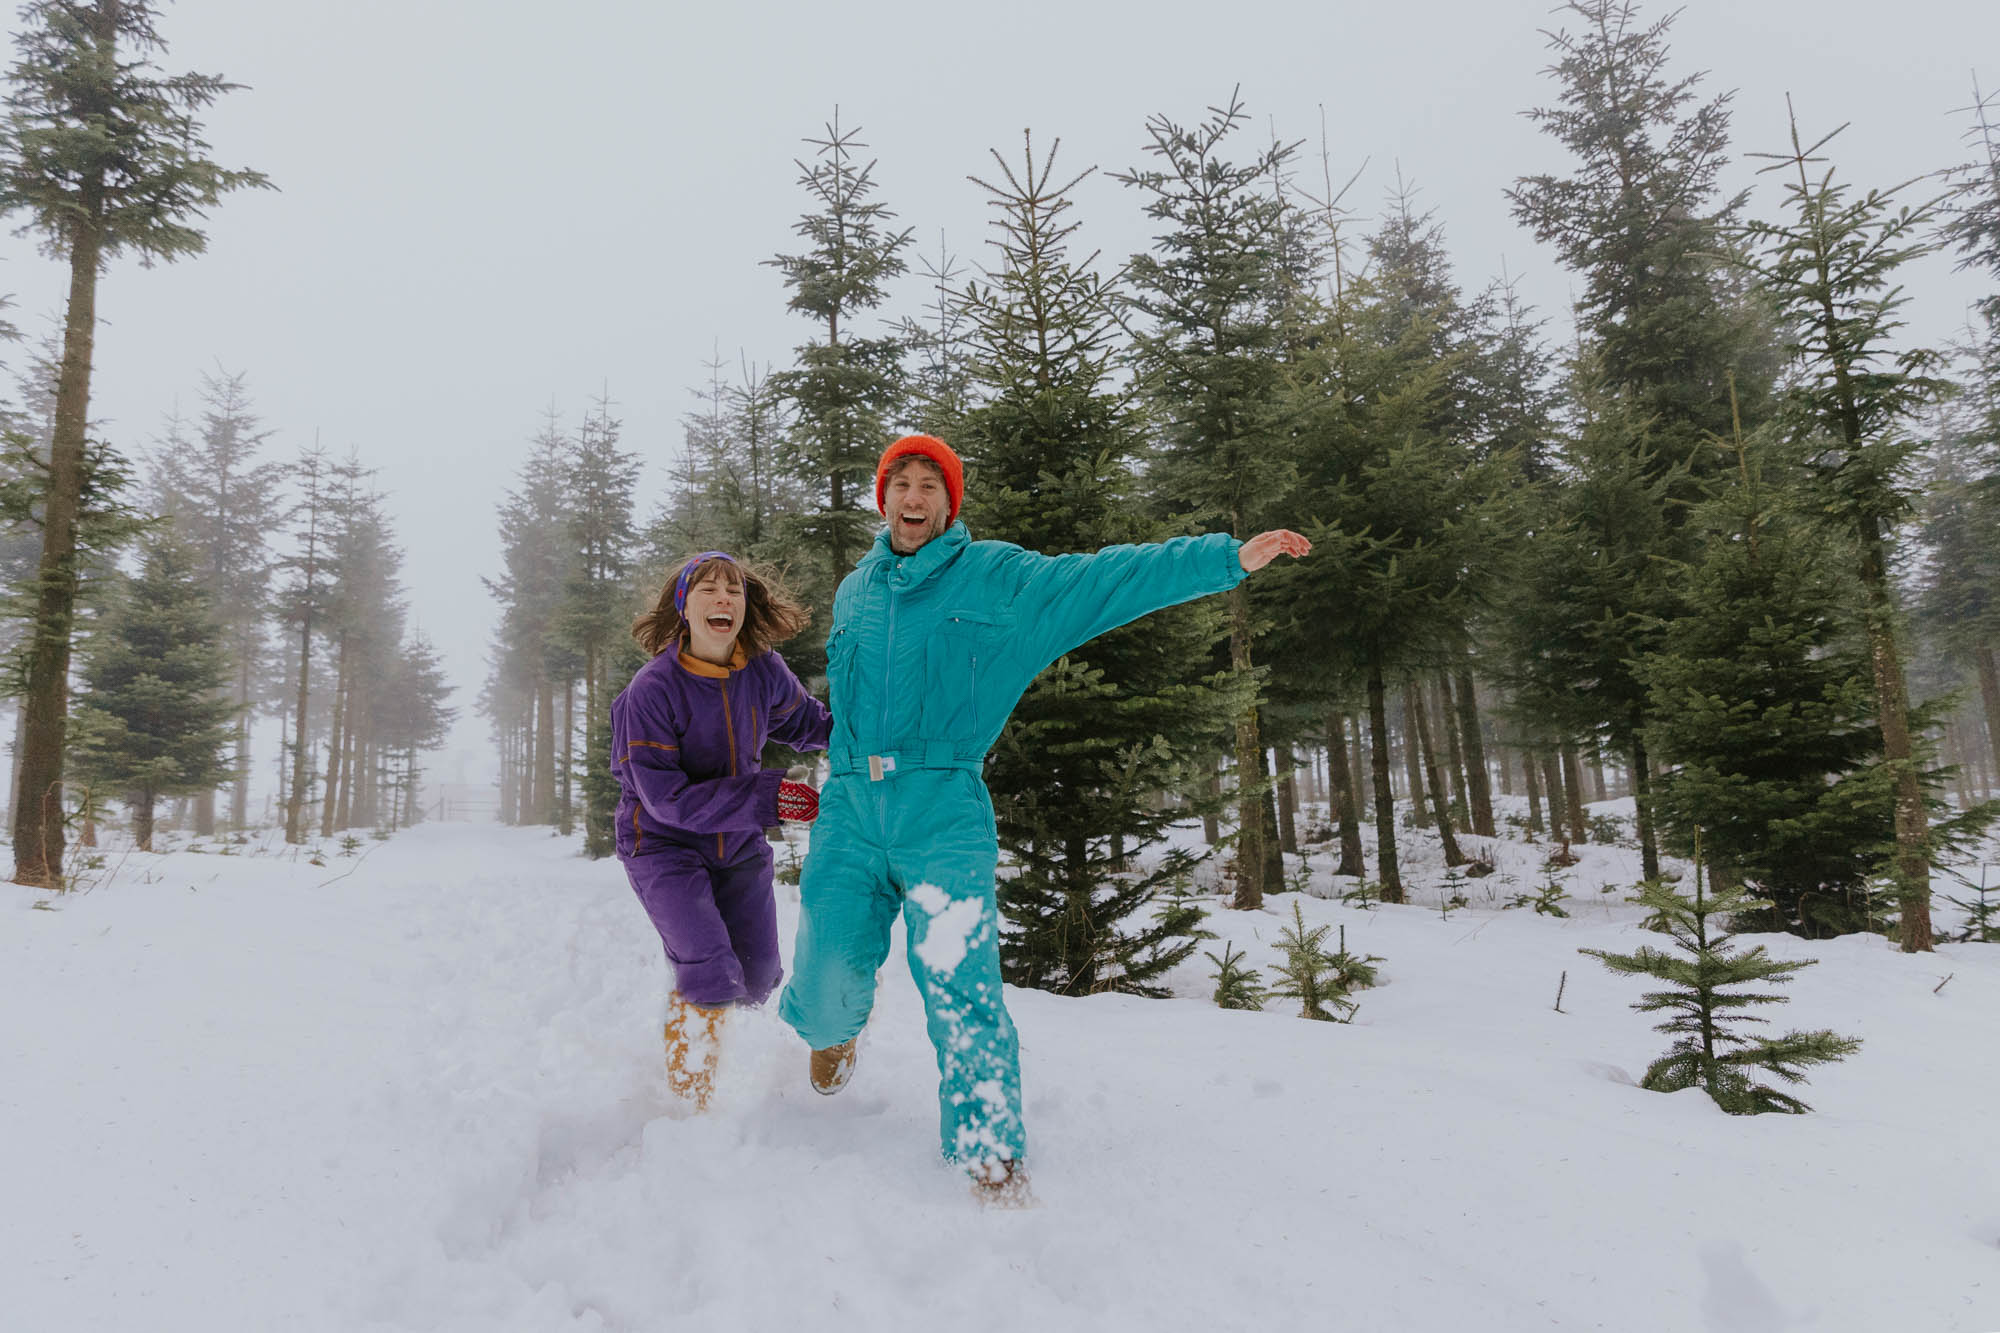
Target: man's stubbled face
[{"x": 916, "y": 504}]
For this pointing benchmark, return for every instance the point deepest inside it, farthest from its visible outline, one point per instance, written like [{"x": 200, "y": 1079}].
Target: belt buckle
[{"x": 880, "y": 765}]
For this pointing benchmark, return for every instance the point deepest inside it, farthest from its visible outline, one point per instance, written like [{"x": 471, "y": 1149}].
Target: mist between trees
[{"x": 1729, "y": 552}]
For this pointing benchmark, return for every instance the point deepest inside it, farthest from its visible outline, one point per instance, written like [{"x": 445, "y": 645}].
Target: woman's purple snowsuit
[{"x": 685, "y": 741}]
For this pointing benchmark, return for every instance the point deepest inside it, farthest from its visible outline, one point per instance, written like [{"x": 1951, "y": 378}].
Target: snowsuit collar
[
  {"x": 694, "y": 666},
  {"x": 931, "y": 557}
]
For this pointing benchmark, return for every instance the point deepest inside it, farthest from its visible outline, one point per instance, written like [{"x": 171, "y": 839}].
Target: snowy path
[{"x": 234, "y": 1096}]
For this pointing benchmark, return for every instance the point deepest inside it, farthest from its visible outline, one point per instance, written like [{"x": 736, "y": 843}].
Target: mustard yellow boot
[{"x": 694, "y": 1037}]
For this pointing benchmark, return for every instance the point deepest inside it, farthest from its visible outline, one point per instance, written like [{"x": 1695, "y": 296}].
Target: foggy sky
[{"x": 485, "y": 205}]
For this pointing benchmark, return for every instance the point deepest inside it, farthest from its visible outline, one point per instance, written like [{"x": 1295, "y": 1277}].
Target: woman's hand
[
  {"x": 797, "y": 802},
  {"x": 1265, "y": 547}
]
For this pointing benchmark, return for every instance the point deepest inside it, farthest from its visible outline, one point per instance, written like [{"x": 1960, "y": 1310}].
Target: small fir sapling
[
  {"x": 1982, "y": 923},
  {"x": 1547, "y": 899},
  {"x": 1707, "y": 1053},
  {"x": 1236, "y": 986},
  {"x": 1454, "y": 892},
  {"x": 1320, "y": 981},
  {"x": 1363, "y": 895}
]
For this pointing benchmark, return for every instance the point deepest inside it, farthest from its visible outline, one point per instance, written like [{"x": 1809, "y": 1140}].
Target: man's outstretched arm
[{"x": 1067, "y": 600}]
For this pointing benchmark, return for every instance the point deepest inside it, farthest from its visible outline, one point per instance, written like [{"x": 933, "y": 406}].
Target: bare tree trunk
[
  {"x": 142, "y": 820},
  {"x": 1642, "y": 803},
  {"x": 1385, "y": 799},
  {"x": 1597, "y": 787},
  {"x": 1413, "y": 778},
  {"x": 545, "y": 753},
  {"x": 1912, "y": 862},
  {"x": 38, "y": 807},
  {"x": 1249, "y": 760},
  {"x": 204, "y": 813},
  {"x": 1288, "y": 802},
  {"x": 1552, "y": 787},
  {"x": 1473, "y": 737},
  {"x": 1211, "y": 827},
  {"x": 564, "y": 807},
  {"x": 239, "y": 794},
  {"x": 14, "y": 763},
  {"x": 1989, "y": 694},
  {"x": 1452, "y": 855},
  {"x": 1345, "y": 794},
  {"x": 336, "y": 741},
  {"x": 1579, "y": 829},
  {"x": 1529, "y": 770},
  {"x": 1454, "y": 748}
]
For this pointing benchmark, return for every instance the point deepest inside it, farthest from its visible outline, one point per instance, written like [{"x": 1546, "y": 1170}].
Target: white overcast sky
[{"x": 485, "y": 205}]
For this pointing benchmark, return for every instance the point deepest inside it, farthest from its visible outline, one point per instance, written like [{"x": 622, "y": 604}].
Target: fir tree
[
  {"x": 1052, "y": 446},
  {"x": 595, "y": 614},
  {"x": 1662, "y": 328},
  {"x": 846, "y": 386},
  {"x": 1321, "y": 982},
  {"x": 224, "y": 500},
  {"x": 153, "y": 715},
  {"x": 1211, "y": 297},
  {"x": 1762, "y": 710},
  {"x": 303, "y": 602},
  {"x": 104, "y": 155},
  {"x": 1236, "y": 986},
  {"x": 1705, "y": 1003},
  {"x": 1830, "y": 270}
]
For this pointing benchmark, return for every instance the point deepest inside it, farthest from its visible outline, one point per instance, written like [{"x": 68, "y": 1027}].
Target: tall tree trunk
[
  {"x": 1452, "y": 855},
  {"x": 336, "y": 741},
  {"x": 1472, "y": 736},
  {"x": 1989, "y": 694},
  {"x": 545, "y": 752},
  {"x": 1529, "y": 769},
  {"x": 1413, "y": 776},
  {"x": 1579, "y": 826},
  {"x": 1454, "y": 749},
  {"x": 239, "y": 793},
  {"x": 38, "y": 807},
  {"x": 1288, "y": 802},
  {"x": 14, "y": 764},
  {"x": 1345, "y": 794},
  {"x": 1912, "y": 862},
  {"x": 1642, "y": 804},
  {"x": 1211, "y": 827},
  {"x": 1385, "y": 798},
  {"x": 565, "y": 808},
  {"x": 1599, "y": 792},
  {"x": 142, "y": 820},
  {"x": 1267, "y": 805},
  {"x": 1552, "y": 787},
  {"x": 1249, "y": 761}
]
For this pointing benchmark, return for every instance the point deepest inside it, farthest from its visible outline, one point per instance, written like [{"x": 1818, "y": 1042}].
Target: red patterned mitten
[{"x": 797, "y": 802}]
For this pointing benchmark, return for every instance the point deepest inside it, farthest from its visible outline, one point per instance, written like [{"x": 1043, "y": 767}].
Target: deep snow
[{"x": 422, "y": 1090}]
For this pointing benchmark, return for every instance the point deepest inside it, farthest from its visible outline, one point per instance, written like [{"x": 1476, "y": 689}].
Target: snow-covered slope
[{"x": 239, "y": 1093}]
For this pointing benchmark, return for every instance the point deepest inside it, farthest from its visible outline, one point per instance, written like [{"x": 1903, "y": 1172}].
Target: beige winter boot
[
  {"x": 693, "y": 1034},
  {"x": 832, "y": 1067},
  {"x": 1001, "y": 1183}
]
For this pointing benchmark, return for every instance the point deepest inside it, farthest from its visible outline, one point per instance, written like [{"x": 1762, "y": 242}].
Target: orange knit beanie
[{"x": 923, "y": 446}]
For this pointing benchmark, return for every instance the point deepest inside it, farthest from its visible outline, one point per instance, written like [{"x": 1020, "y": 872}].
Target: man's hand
[{"x": 1265, "y": 547}]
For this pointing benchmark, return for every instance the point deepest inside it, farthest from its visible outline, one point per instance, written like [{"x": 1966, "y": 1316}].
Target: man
[{"x": 934, "y": 639}]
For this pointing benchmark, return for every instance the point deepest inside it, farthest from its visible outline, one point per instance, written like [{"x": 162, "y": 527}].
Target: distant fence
[{"x": 465, "y": 803}]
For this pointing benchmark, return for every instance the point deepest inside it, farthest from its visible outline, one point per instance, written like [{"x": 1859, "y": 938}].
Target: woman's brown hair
[{"x": 770, "y": 614}]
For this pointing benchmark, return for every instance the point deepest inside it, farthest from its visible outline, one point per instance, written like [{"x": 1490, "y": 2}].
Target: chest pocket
[
  {"x": 963, "y": 650},
  {"x": 839, "y": 666}
]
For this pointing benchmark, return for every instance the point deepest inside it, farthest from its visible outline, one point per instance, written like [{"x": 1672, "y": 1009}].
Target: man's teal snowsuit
[{"x": 927, "y": 656}]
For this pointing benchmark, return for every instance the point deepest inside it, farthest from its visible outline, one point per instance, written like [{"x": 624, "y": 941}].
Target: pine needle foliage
[
  {"x": 1706, "y": 1004},
  {"x": 1320, "y": 981},
  {"x": 1236, "y": 986}
]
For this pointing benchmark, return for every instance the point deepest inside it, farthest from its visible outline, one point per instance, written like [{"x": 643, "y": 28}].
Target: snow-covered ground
[{"x": 421, "y": 1090}]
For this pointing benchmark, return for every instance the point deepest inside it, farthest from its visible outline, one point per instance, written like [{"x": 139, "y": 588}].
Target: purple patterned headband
[{"x": 681, "y": 584}]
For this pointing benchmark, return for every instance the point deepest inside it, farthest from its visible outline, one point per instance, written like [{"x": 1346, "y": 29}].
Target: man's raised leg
[{"x": 846, "y": 910}]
